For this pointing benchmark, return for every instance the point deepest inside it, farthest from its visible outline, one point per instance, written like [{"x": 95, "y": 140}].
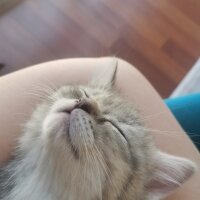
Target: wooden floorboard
[{"x": 161, "y": 38}]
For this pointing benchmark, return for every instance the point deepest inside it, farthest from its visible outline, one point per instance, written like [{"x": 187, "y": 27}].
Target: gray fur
[{"x": 102, "y": 163}]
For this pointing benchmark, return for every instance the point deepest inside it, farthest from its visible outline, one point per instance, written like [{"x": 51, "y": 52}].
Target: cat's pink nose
[
  {"x": 68, "y": 105},
  {"x": 88, "y": 105}
]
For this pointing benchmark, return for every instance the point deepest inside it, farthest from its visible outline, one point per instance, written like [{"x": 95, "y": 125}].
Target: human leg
[{"x": 16, "y": 106}]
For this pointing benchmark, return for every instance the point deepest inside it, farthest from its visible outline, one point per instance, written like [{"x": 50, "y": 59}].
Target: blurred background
[{"x": 160, "y": 37}]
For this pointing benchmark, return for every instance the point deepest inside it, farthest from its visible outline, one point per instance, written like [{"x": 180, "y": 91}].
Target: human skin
[{"x": 17, "y": 102}]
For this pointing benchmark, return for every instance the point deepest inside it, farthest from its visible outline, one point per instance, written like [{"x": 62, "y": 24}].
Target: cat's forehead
[
  {"x": 101, "y": 95},
  {"x": 78, "y": 92}
]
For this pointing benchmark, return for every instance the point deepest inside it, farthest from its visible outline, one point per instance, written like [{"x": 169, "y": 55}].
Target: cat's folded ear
[
  {"x": 169, "y": 173},
  {"x": 104, "y": 76}
]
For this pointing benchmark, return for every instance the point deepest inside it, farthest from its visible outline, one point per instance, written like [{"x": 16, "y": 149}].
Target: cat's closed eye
[
  {"x": 86, "y": 93},
  {"x": 114, "y": 125}
]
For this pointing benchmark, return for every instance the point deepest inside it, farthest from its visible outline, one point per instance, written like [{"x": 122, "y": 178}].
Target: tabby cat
[{"x": 88, "y": 143}]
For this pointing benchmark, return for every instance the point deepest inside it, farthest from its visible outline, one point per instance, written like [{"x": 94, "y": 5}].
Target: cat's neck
[{"x": 71, "y": 180}]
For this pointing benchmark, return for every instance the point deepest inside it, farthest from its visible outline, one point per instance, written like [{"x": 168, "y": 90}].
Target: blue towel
[{"x": 186, "y": 110}]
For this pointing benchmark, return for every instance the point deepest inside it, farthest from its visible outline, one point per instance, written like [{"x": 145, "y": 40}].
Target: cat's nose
[
  {"x": 88, "y": 105},
  {"x": 68, "y": 105},
  {"x": 65, "y": 105}
]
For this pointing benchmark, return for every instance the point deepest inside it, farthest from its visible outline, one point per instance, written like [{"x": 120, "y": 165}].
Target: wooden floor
[{"x": 161, "y": 38}]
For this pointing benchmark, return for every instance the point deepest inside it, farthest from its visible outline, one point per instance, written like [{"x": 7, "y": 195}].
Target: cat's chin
[
  {"x": 81, "y": 131},
  {"x": 76, "y": 127}
]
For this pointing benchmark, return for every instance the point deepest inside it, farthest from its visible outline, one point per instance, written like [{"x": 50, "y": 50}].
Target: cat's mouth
[{"x": 75, "y": 120}]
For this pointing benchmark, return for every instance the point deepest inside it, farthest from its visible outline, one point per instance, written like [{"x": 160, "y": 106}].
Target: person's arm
[{"x": 16, "y": 104}]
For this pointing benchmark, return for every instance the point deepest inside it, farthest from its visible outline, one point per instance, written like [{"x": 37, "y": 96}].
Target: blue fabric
[{"x": 186, "y": 109}]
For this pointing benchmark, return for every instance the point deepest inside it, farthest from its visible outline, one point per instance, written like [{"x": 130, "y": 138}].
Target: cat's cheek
[{"x": 55, "y": 126}]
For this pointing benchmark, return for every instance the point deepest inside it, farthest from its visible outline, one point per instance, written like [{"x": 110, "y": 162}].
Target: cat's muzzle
[{"x": 74, "y": 118}]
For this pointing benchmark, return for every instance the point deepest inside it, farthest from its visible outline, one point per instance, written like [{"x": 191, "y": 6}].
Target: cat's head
[{"x": 90, "y": 142}]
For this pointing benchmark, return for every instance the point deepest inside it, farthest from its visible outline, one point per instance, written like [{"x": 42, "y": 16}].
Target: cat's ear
[
  {"x": 104, "y": 76},
  {"x": 169, "y": 173}
]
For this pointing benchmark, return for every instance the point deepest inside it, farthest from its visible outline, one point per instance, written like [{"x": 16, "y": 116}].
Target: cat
[{"x": 87, "y": 142}]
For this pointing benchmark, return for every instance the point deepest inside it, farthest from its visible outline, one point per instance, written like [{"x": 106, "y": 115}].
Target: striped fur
[{"x": 101, "y": 151}]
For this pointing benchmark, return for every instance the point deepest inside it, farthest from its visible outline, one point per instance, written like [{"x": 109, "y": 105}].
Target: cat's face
[
  {"x": 96, "y": 139},
  {"x": 90, "y": 145}
]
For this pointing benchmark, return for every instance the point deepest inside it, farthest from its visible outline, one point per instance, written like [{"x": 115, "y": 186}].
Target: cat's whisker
[
  {"x": 38, "y": 95},
  {"x": 99, "y": 185},
  {"x": 85, "y": 148},
  {"x": 51, "y": 84},
  {"x": 152, "y": 116},
  {"x": 103, "y": 163},
  {"x": 76, "y": 169},
  {"x": 96, "y": 175},
  {"x": 101, "y": 166},
  {"x": 162, "y": 132},
  {"x": 92, "y": 159},
  {"x": 45, "y": 90},
  {"x": 101, "y": 160},
  {"x": 168, "y": 132}
]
